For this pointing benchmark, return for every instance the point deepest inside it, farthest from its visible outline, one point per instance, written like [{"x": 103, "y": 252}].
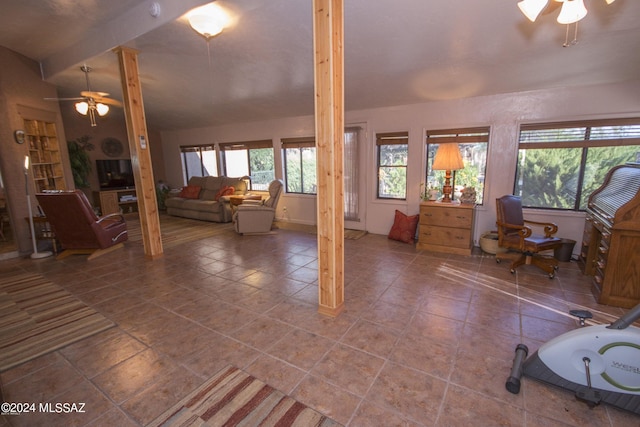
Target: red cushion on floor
[{"x": 404, "y": 227}]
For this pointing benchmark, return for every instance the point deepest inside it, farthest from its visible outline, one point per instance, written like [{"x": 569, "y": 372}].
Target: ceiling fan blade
[
  {"x": 108, "y": 101},
  {"x": 551, "y": 6},
  {"x": 65, "y": 99},
  {"x": 91, "y": 94}
]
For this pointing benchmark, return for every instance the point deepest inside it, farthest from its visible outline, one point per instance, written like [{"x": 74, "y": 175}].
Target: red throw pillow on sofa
[
  {"x": 224, "y": 191},
  {"x": 190, "y": 192},
  {"x": 404, "y": 227}
]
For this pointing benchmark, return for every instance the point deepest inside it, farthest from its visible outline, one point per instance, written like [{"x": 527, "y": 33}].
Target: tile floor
[{"x": 425, "y": 339}]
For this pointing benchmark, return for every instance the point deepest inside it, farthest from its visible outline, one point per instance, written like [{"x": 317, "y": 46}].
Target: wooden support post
[
  {"x": 140, "y": 154},
  {"x": 328, "y": 26}
]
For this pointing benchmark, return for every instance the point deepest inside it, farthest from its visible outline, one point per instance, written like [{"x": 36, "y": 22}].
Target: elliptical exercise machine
[{"x": 598, "y": 363}]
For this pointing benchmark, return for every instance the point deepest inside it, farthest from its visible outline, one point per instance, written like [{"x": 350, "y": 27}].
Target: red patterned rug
[{"x": 235, "y": 398}]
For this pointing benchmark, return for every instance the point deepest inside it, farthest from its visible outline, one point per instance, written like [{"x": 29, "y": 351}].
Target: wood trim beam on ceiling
[{"x": 117, "y": 32}]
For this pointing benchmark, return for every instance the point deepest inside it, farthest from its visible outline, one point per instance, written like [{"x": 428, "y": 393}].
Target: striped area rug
[
  {"x": 176, "y": 231},
  {"x": 235, "y": 398},
  {"x": 37, "y": 317}
]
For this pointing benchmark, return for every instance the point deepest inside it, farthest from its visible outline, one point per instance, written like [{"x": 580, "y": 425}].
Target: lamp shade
[
  {"x": 448, "y": 158},
  {"x": 532, "y": 8},
  {"x": 572, "y": 11},
  {"x": 208, "y": 20},
  {"x": 82, "y": 107},
  {"x": 102, "y": 109}
]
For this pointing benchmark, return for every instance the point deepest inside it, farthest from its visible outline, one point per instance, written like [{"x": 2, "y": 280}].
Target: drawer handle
[{"x": 461, "y": 217}]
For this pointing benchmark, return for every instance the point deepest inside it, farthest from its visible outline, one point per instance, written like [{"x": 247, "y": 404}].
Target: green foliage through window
[
  {"x": 393, "y": 154},
  {"x": 473, "y": 144},
  {"x": 561, "y": 164},
  {"x": 253, "y": 159}
]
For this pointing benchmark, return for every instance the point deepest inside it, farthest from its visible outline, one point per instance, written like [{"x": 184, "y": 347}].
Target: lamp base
[{"x": 38, "y": 255}]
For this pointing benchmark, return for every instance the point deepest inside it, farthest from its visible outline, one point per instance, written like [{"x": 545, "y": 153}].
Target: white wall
[{"x": 503, "y": 113}]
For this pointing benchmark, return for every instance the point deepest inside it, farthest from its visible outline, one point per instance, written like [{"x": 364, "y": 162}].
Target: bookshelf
[{"x": 44, "y": 152}]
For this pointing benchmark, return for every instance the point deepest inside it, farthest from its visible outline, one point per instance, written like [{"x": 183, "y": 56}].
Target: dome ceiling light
[{"x": 208, "y": 20}]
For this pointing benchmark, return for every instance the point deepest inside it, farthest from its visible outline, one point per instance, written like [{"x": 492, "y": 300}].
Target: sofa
[{"x": 206, "y": 198}]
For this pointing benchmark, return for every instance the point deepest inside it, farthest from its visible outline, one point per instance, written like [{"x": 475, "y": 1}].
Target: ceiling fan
[{"x": 91, "y": 102}]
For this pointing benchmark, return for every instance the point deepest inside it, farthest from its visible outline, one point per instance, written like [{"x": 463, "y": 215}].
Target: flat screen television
[{"x": 115, "y": 174}]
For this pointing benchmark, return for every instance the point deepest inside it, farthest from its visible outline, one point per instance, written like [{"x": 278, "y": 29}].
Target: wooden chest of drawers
[{"x": 446, "y": 227}]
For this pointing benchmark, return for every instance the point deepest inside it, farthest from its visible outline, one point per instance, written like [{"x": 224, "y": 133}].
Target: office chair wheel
[
  {"x": 552, "y": 275},
  {"x": 498, "y": 260},
  {"x": 513, "y": 271}
]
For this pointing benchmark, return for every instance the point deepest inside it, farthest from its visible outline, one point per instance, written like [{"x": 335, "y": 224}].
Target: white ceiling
[{"x": 396, "y": 52}]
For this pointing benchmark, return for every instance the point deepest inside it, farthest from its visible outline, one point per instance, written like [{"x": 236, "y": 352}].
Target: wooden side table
[
  {"x": 446, "y": 227},
  {"x": 236, "y": 201}
]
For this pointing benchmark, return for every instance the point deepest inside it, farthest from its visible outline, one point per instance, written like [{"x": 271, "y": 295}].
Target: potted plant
[
  {"x": 428, "y": 192},
  {"x": 80, "y": 160}
]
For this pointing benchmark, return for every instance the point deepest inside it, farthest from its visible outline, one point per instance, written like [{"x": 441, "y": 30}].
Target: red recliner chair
[{"x": 78, "y": 228}]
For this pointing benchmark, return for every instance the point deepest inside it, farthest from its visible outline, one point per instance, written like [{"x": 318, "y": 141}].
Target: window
[
  {"x": 473, "y": 144},
  {"x": 351, "y": 176},
  {"x": 561, "y": 164},
  {"x": 199, "y": 160},
  {"x": 253, "y": 159},
  {"x": 300, "y": 165},
  {"x": 393, "y": 152}
]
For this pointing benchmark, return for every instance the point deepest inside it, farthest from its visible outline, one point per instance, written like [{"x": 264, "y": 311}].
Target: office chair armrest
[
  {"x": 549, "y": 228},
  {"x": 523, "y": 230}
]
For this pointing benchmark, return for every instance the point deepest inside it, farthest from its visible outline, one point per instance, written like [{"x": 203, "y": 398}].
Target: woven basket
[{"x": 489, "y": 243}]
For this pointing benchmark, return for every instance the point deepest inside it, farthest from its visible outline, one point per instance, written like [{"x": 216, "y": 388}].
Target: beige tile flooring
[{"x": 425, "y": 339}]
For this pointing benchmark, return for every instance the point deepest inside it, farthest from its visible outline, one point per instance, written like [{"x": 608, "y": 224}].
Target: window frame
[
  {"x": 199, "y": 148},
  {"x": 248, "y": 146},
  {"x": 391, "y": 138},
  {"x": 463, "y": 135},
  {"x": 297, "y": 143},
  {"x": 564, "y": 135}
]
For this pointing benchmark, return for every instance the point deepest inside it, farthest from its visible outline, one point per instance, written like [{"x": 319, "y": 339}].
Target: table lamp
[{"x": 447, "y": 158}]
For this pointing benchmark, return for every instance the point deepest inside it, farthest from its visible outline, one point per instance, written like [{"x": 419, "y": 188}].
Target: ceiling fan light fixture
[
  {"x": 208, "y": 20},
  {"x": 82, "y": 107},
  {"x": 102, "y": 109},
  {"x": 610, "y": 1},
  {"x": 572, "y": 11},
  {"x": 532, "y": 8}
]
